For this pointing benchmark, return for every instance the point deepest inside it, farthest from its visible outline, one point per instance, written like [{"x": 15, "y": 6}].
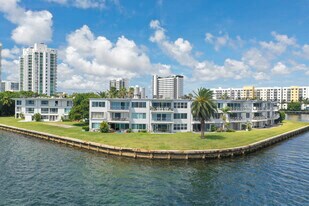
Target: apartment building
[
  {"x": 277, "y": 94},
  {"x": 163, "y": 115},
  {"x": 139, "y": 92},
  {"x": 0, "y": 61},
  {"x": 38, "y": 70},
  {"x": 51, "y": 109},
  {"x": 9, "y": 86},
  {"x": 119, "y": 83},
  {"x": 170, "y": 87}
]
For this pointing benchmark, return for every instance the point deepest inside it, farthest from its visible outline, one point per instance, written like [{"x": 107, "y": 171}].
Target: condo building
[
  {"x": 0, "y": 61},
  {"x": 277, "y": 94},
  {"x": 119, "y": 83},
  {"x": 170, "y": 87},
  {"x": 9, "y": 86},
  {"x": 163, "y": 115},
  {"x": 38, "y": 70},
  {"x": 139, "y": 92},
  {"x": 51, "y": 109}
]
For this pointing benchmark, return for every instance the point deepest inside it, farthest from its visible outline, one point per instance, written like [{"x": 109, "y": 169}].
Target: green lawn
[{"x": 177, "y": 141}]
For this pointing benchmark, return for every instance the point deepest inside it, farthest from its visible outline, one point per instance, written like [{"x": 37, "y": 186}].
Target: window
[
  {"x": 53, "y": 110},
  {"x": 18, "y": 109},
  {"x": 180, "y": 105},
  {"x": 120, "y": 105},
  {"x": 247, "y": 115},
  {"x": 30, "y": 110},
  {"x": 138, "y": 104},
  {"x": 180, "y": 126},
  {"x": 138, "y": 115},
  {"x": 30, "y": 102},
  {"x": 44, "y": 110},
  {"x": 69, "y": 103},
  {"x": 162, "y": 104},
  {"x": 95, "y": 125},
  {"x": 44, "y": 117},
  {"x": 98, "y": 104},
  {"x": 67, "y": 110},
  {"x": 56, "y": 103},
  {"x": 161, "y": 117},
  {"x": 97, "y": 115},
  {"x": 44, "y": 102},
  {"x": 138, "y": 126},
  {"x": 180, "y": 116},
  {"x": 18, "y": 102}
]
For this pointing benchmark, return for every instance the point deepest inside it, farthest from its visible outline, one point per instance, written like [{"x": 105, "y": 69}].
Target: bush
[
  {"x": 129, "y": 130},
  {"x": 220, "y": 130},
  {"x": 104, "y": 127},
  {"x": 142, "y": 131},
  {"x": 37, "y": 117},
  {"x": 85, "y": 128},
  {"x": 213, "y": 128},
  {"x": 230, "y": 130},
  {"x": 22, "y": 116},
  {"x": 282, "y": 116}
]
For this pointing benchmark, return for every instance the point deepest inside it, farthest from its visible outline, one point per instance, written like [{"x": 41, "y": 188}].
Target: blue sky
[{"x": 212, "y": 43}]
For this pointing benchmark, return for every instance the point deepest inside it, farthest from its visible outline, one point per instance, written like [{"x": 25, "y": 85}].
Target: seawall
[{"x": 159, "y": 154}]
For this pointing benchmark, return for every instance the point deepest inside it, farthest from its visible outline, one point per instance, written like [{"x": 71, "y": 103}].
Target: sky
[{"x": 212, "y": 43}]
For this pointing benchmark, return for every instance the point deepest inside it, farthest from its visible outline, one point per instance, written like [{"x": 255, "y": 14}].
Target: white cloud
[
  {"x": 280, "y": 68},
  {"x": 222, "y": 41},
  {"x": 82, "y": 4},
  {"x": 261, "y": 76},
  {"x": 10, "y": 63},
  {"x": 32, "y": 26},
  {"x": 96, "y": 60},
  {"x": 256, "y": 59}
]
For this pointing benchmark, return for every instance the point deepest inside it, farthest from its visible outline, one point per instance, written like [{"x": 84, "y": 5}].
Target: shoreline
[{"x": 159, "y": 154}]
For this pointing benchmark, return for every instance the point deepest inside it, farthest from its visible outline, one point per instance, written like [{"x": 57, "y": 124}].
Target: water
[{"x": 36, "y": 172}]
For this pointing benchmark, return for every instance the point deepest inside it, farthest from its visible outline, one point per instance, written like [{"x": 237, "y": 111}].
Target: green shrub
[
  {"x": 22, "y": 116},
  {"x": 142, "y": 131},
  {"x": 220, "y": 130},
  {"x": 104, "y": 127},
  {"x": 213, "y": 128},
  {"x": 37, "y": 117},
  {"x": 282, "y": 116},
  {"x": 129, "y": 130},
  {"x": 230, "y": 130},
  {"x": 85, "y": 128}
]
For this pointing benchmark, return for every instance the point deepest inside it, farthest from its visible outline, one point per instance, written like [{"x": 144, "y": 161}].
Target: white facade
[
  {"x": 119, "y": 83},
  {"x": 9, "y": 86},
  {"x": 139, "y": 92},
  {"x": 38, "y": 70},
  {"x": 51, "y": 109},
  {"x": 158, "y": 115},
  {"x": 0, "y": 61},
  {"x": 170, "y": 87}
]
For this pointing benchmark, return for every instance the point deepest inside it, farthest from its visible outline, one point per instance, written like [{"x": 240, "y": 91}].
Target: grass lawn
[{"x": 177, "y": 141}]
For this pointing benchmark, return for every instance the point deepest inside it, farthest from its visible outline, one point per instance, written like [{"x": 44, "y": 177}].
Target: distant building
[
  {"x": 278, "y": 94},
  {"x": 139, "y": 92},
  {"x": 51, "y": 109},
  {"x": 170, "y": 87},
  {"x": 0, "y": 61},
  {"x": 119, "y": 83},
  {"x": 9, "y": 86},
  {"x": 38, "y": 70}
]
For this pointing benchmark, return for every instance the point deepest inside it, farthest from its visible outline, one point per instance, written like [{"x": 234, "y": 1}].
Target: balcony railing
[
  {"x": 233, "y": 119},
  {"x": 120, "y": 118},
  {"x": 162, "y": 119},
  {"x": 240, "y": 108},
  {"x": 120, "y": 108},
  {"x": 167, "y": 109},
  {"x": 259, "y": 118}
]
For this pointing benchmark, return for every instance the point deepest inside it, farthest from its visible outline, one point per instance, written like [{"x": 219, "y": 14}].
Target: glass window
[
  {"x": 138, "y": 115},
  {"x": 53, "y": 110},
  {"x": 44, "y": 102},
  {"x": 44, "y": 110},
  {"x": 95, "y": 125},
  {"x": 30, "y": 102},
  {"x": 67, "y": 110},
  {"x": 180, "y": 116},
  {"x": 98, "y": 104},
  {"x": 180, "y": 126},
  {"x": 138, "y": 126},
  {"x": 18, "y": 102},
  {"x": 180, "y": 105},
  {"x": 30, "y": 110},
  {"x": 162, "y": 104},
  {"x": 138, "y": 104},
  {"x": 120, "y": 105},
  {"x": 97, "y": 115},
  {"x": 247, "y": 115},
  {"x": 69, "y": 103}
]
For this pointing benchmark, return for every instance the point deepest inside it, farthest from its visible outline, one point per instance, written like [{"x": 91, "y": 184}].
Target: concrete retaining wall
[{"x": 159, "y": 154}]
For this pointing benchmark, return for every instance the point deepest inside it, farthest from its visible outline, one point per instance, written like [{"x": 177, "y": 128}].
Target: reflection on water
[
  {"x": 298, "y": 117},
  {"x": 36, "y": 172}
]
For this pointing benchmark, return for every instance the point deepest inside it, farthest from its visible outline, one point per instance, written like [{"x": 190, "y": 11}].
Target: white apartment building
[
  {"x": 51, "y": 109},
  {"x": 170, "y": 87},
  {"x": 38, "y": 70},
  {"x": 162, "y": 115},
  {"x": 277, "y": 94},
  {"x": 119, "y": 83},
  {"x": 139, "y": 92},
  {"x": 0, "y": 61},
  {"x": 9, "y": 86}
]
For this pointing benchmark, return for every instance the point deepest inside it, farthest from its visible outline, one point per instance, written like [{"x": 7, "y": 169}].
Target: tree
[
  {"x": 131, "y": 92},
  {"x": 37, "y": 117},
  {"x": 203, "y": 107},
  {"x": 103, "y": 94},
  {"x": 294, "y": 106},
  {"x": 80, "y": 109},
  {"x": 104, "y": 127},
  {"x": 225, "y": 112},
  {"x": 113, "y": 92},
  {"x": 281, "y": 116},
  {"x": 122, "y": 93}
]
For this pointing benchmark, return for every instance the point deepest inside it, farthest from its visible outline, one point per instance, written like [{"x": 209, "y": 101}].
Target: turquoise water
[{"x": 36, "y": 172}]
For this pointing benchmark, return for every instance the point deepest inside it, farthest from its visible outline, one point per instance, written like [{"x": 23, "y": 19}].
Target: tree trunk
[{"x": 202, "y": 128}]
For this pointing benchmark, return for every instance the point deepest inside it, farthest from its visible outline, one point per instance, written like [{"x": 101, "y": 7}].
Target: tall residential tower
[
  {"x": 170, "y": 87},
  {"x": 38, "y": 70}
]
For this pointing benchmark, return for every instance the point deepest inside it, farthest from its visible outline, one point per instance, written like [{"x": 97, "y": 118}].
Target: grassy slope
[{"x": 179, "y": 141}]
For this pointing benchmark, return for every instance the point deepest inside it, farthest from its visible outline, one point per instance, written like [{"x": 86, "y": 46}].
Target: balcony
[
  {"x": 235, "y": 119},
  {"x": 259, "y": 118},
  {"x": 162, "y": 119},
  {"x": 161, "y": 109},
  {"x": 119, "y": 108},
  {"x": 239, "y": 109},
  {"x": 120, "y": 119}
]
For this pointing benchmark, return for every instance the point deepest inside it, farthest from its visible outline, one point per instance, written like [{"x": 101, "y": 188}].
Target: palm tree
[
  {"x": 131, "y": 92},
  {"x": 122, "y": 93},
  {"x": 113, "y": 92},
  {"x": 203, "y": 107},
  {"x": 103, "y": 94},
  {"x": 225, "y": 111}
]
